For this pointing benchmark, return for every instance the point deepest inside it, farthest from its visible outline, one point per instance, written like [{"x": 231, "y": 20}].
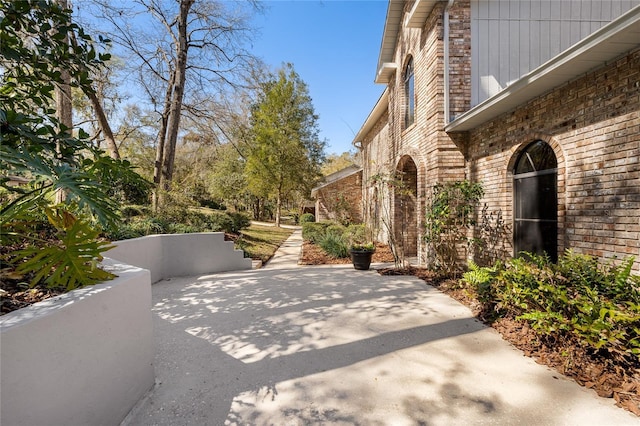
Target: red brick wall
[
  {"x": 593, "y": 125},
  {"x": 341, "y": 200}
]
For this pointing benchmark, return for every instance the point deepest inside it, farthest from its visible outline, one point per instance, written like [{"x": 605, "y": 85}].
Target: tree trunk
[
  {"x": 64, "y": 107},
  {"x": 177, "y": 95},
  {"x": 162, "y": 137},
  {"x": 105, "y": 128},
  {"x": 278, "y": 209}
]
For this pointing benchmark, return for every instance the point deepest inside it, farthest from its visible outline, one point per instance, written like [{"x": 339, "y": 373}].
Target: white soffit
[
  {"x": 419, "y": 13},
  {"x": 606, "y": 44},
  {"x": 378, "y": 110},
  {"x": 415, "y": 19},
  {"x": 389, "y": 37}
]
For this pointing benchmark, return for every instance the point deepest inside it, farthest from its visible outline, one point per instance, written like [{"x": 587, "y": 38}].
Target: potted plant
[{"x": 361, "y": 254}]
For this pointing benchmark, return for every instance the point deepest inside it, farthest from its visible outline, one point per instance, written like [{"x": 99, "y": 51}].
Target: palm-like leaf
[{"x": 72, "y": 262}]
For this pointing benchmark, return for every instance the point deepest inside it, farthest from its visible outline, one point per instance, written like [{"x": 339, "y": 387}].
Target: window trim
[{"x": 409, "y": 87}]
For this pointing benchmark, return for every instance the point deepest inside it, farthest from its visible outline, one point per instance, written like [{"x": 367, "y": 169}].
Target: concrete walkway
[{"x": 293, "y": 345}]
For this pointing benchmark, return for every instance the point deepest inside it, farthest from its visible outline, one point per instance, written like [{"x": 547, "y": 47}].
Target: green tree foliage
[
  {"x": 227, "y": 180},
  {"x": 285, "y": 152},
  {"x": 41, "y": 153},
  {"x": 335, "y": 163}
]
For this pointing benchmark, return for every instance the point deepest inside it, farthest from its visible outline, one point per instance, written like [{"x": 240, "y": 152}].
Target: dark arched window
[
  {"x": 535, "y": 182},
  {"x": 409, "y": 95}
]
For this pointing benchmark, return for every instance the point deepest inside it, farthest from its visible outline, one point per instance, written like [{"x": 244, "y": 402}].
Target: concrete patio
[{"x": 294, "y": 345}]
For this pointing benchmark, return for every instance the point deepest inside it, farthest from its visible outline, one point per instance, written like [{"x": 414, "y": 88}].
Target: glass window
[
  {"x": 409, "y": 95},
  {"x": 535, "y": 182},
  {"x": 536, "y": 157}
]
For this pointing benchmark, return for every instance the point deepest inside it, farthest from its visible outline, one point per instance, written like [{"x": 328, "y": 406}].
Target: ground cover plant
[{"x": 177, "y": 219}]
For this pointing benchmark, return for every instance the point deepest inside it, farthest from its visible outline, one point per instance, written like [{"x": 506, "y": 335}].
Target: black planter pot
[{"x": 361, "y": 259}]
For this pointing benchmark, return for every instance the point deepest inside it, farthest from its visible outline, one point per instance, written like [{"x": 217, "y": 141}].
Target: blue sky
[{"x": 334, "y": 47}]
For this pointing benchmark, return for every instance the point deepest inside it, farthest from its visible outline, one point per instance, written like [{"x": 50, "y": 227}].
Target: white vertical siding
[{"x": 512, "y": 37}]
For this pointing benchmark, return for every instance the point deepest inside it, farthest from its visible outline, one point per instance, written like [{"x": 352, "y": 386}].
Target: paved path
[{"x": 291, "y": 345}]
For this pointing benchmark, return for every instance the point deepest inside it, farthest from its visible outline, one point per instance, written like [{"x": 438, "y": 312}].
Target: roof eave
[
  {"x": 604, "y": 45},
  {"x": 378, "y": 110}
]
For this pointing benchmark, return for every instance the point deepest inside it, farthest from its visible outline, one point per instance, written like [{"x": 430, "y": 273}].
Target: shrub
[
  {"x": 210, "y": 222},
  {"x": 334, "y": 245},
  {"x": 356, "y": 234},
  {"x": 580, "y": 297},
  {"x": 336, "y": 229},
  {"x": 239, "y": 222},
  {"x": 306, "y": 218},
  {"x": 134, "y": 210},
  {"x": 451, "y": 213},
  {"x": 314, "y": 231}
]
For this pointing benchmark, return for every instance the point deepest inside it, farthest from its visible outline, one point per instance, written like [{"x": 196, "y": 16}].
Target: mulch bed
[
  {"x": 314, "y": 255},
  {"x": 15, "y": 295}
]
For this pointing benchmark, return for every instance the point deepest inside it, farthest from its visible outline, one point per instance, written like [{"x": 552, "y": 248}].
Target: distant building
[
  {"x": 537, "y": 100},
  {"x": 339, "y": 197}
]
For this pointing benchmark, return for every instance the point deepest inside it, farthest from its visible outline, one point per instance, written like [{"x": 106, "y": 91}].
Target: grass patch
[{"x": 261, "y": 242}]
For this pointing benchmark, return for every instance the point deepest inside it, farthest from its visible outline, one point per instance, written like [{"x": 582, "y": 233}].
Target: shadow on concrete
[{"x": 330, "y": 345}]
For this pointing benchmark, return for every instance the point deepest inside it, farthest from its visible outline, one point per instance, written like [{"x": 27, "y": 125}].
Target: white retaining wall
[
  {"x": 175, "y": 255},
  {"x": 83, "y": 358}
]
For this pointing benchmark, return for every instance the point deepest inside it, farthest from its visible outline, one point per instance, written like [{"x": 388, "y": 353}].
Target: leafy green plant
[
  {"x": 306, "y": 217},
  {"x": 239, "y": 221},
  {"x": 70, "y": 260},
  {"x": 45, "y": 157},
  {"x": 334, "y": 245},
  {"x": 363, "y": 247},
  {"x": 357, "y": 233},
  {"x": 450, "y": 215},
  {"x": 579, "y": 297},
  {"x": 481, "y": 279},
  {"x": 314, "y": 231},
  {"x": 336, "y": 229}
]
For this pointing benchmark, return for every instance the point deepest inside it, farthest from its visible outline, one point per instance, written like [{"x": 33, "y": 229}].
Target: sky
[{"x": 334, "y": 47}]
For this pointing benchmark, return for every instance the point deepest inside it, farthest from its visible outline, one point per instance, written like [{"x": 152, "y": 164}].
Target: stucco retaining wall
[
  {"x": 175, "y": 255},
  {"x": 83, "y": 358}
]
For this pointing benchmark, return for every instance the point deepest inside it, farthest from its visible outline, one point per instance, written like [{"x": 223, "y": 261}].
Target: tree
[
  {"x": 335, "y": 162},
  {"x": 40, "y": 151},
  {"x": 285, "y": 152},
  {"x": 95, "y": 109},
  {"x": 176, "y": 81},
  {"x": 227, "y": 180}
]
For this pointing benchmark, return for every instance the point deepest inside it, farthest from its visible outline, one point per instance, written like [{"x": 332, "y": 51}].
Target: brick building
[
  {"x": 339, "y": 197},
  {"x": 537, "y": 100}
]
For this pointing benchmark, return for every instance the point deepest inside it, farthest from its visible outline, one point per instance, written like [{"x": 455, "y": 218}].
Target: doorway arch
[
  {"x": 406, "y": 206},
  {"x": 535, "y": 194}
]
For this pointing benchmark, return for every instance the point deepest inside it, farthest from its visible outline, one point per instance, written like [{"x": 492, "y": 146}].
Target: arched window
[
  {"x": 535, "y": 182},
  {"x": 409, "y": 95}
]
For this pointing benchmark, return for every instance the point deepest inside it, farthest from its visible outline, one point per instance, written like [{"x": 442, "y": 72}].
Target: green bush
[
  {"x": 336, "y": 229},
  {"x": 334, "y": 245},
  {"x": 179, "y": 221},
  {"x": 239, "y": 221},
  {"x": 307, "y": 217},
  {"x": 134, "y": 210},
  {"x": 599, "y": 304},
  {"x": 314, "y": 231},
  {"x": 356, "y": 234}
]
